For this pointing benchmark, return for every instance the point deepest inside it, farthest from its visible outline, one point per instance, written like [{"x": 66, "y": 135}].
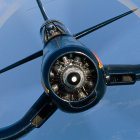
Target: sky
[{"x": 117, "y": 115}]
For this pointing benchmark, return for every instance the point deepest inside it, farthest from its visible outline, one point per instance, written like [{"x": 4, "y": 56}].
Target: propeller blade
[
  {"x": 77, "y": 36},
  {"x": 33, "y": 56},
  {"x": 131, "y": 5},
  {"x": 38, "y": 114},
  {"x": 121, "y": 74},
  {"x": 42, "y": 10},
  {"x": 20, "y": 62},
  {"x": 96, "y": 27}
]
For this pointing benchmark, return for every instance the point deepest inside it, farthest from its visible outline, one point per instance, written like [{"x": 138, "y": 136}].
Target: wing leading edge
[
  {"x": 37, "y": 115},
  {"x": 122, "y": 74}
]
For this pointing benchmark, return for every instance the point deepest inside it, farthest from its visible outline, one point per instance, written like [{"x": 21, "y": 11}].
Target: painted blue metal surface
[{"x": 116, "y": 117}]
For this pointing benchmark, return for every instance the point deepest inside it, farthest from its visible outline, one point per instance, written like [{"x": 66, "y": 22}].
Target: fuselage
[{"x": 72, "y": 74}]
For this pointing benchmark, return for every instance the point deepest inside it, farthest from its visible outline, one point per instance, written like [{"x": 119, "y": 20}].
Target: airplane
[{"x": 73, "y": 77}]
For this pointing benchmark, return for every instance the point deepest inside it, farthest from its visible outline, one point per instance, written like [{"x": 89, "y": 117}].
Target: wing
[
  {"x": 37, "y": 115},
  {"x": 121, "y": 74}
]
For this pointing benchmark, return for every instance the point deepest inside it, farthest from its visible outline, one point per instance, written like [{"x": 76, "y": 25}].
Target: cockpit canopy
[{"x": 51, "y": 29}]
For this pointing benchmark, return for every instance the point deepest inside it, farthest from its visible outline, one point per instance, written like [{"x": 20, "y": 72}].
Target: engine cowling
[{"x": 73, "y": 77}]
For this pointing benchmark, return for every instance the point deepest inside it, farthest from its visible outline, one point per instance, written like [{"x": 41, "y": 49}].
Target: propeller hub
[{"x": 73, "y": 77}]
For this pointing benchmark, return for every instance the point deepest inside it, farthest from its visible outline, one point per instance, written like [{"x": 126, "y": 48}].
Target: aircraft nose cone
[{"x": 74, "y": 78}]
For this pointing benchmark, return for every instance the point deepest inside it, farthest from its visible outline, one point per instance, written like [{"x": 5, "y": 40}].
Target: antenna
[{"x": 43, "y": 12}]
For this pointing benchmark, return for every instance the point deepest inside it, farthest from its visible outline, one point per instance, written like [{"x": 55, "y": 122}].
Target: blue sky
[{"x": 116, "y": 117}]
